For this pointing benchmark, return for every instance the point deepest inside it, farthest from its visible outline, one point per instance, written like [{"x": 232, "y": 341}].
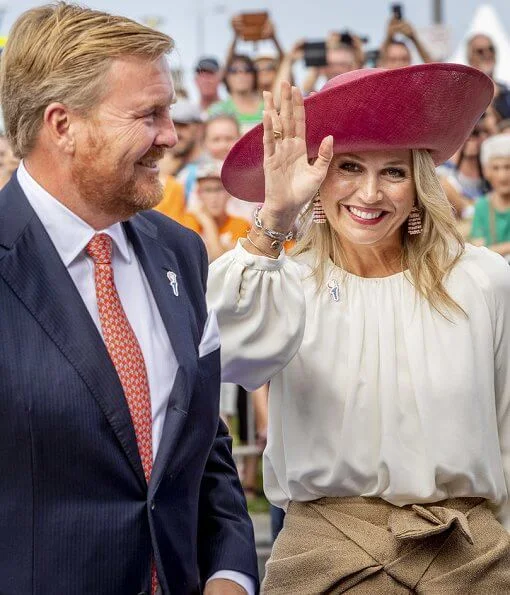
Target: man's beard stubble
[{"x": 103, "y": 184}]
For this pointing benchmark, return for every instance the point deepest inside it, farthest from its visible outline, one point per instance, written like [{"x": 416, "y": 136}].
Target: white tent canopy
[{"x": 486, "y": 21}]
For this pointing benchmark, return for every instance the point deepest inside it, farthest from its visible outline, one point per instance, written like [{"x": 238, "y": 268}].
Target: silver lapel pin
[
  {"x": 172, "y": 277},
  {"x": 334, "y": 289}
]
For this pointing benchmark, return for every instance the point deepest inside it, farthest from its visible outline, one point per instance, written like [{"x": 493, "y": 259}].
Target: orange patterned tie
[{"x": 125, "y": 352}]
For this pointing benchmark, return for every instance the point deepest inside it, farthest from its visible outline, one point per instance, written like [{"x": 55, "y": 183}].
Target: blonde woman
[{"x": 385, "y": 338}]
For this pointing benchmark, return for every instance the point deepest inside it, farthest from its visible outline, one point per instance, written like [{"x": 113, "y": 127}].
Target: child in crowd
[
  {"x": 209, "y": 217},
  {"x": 491, "y": 222}
]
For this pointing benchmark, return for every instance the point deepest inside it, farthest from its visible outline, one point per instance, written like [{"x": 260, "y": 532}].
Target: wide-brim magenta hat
[{"x": 430, "y": 106}]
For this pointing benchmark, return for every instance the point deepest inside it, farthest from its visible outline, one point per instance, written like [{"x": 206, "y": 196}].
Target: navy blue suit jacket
[{"x": 76, "y": 515}]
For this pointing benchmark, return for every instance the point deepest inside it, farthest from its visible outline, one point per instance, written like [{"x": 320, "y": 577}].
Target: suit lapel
[
  {"x": 173, "y": 304},
  {"x": 33, "y": 269}
]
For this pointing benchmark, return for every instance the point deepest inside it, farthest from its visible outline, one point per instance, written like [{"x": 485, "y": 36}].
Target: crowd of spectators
[{"x": 476, "y": 180}]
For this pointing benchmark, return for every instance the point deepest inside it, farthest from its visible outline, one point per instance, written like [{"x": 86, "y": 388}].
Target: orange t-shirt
[
  {"x": 233, "y": 228},
  {"x": 173, "y": 204}
]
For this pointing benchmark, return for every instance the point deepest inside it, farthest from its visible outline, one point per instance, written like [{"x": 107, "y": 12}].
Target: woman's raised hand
[{"x": 291, "y": 182}]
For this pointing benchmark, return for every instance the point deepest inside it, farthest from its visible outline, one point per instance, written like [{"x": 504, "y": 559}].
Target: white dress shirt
[
  {"x": 70, "y": 236},
  {"x": 373, "y": 392}
]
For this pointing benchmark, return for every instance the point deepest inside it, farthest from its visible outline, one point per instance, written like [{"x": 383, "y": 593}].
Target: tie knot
[{"x": 100, "y": 248}]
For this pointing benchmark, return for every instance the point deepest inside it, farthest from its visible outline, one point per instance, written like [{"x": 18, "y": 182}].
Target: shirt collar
[{"x": 69, "y": 233}]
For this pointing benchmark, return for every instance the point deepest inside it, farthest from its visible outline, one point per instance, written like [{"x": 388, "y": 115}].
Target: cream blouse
[{"x": 373, "y": 392}]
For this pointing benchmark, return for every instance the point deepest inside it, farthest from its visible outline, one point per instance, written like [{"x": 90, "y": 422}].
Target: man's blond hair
[{"x": 62, "y": 53}]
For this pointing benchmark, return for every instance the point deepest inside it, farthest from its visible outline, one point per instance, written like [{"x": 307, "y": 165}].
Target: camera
[
  {"x": 397, "y": 11},
  {"x": 347, "y": 39},
  {"x": 315, "y": 53}
]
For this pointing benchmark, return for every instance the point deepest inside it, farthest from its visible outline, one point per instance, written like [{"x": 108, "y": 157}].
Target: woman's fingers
[
  {"x": 269, "y": 107},
  {"x": 287, "y": 110},
  {"x": 268, "y": 138},
  {"x": 299, "y": 114},
  {"x": 324, "y": 157}
]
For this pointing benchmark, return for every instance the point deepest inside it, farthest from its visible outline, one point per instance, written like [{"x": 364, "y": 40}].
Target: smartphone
[
  {"x": 397, "y": 11},
  {"x": 346, "y": 38},
  {"x": 315, "y": 53}
]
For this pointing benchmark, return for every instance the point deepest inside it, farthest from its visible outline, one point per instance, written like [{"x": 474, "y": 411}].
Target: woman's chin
[{"x": 362, "y": 236}]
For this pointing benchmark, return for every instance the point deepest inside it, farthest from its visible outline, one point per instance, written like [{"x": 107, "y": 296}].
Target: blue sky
[{"x": 184, "y": 20}]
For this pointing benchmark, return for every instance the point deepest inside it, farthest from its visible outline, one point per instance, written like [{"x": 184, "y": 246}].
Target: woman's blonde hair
[
  {"x": 62, "y": 52},
  {"x": 427, "y": 257}
]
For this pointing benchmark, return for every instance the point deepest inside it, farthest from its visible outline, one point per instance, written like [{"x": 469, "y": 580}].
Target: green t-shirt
[
  {"x": 246, "y": 121},
  {"x": 489, "y": 224}
]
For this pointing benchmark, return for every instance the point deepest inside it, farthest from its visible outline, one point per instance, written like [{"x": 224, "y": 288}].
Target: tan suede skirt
[{"x": 368, "y": 546}]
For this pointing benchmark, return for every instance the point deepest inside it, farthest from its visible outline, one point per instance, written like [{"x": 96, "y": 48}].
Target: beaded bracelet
[{"x": 271, "y": 233}]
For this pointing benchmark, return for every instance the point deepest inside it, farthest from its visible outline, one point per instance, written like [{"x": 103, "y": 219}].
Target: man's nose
[{"x": 167, "y": 135}]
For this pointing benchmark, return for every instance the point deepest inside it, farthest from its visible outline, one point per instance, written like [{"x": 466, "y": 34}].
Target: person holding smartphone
[
  {"x": 394, "y": 52},
  {"x": 343, "y": 52}
]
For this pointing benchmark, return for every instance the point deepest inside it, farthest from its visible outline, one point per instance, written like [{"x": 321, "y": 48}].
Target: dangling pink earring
[
  {"x": 319, "y": 216},
  {"x": 414, "y": 222}
]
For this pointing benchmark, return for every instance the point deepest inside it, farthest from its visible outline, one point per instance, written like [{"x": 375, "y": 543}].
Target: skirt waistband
[
  {"x": 377, "y": 511},
  {"x": 413, "y": 521}
]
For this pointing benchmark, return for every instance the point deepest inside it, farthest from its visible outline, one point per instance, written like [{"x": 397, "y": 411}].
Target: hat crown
[{"x": 348, "y": 77}]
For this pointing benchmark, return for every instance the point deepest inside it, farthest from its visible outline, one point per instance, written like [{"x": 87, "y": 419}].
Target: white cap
[
  {"x": 186, "y": 112},
  {"x": 495, "y": 146},
  {"x": 209, "y": 169}
]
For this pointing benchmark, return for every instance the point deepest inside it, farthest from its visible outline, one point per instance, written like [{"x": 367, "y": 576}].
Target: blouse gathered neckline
[{"x": 405, "y": 273}]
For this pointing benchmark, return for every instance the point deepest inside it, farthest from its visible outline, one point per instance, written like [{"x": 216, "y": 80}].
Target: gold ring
[{"x": 277, "y": 133}]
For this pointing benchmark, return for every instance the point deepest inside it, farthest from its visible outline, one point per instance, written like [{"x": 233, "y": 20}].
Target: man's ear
[{"x": 59, "y": 126}]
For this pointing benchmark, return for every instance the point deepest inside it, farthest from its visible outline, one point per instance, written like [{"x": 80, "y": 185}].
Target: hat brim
[{"x": 430, "y": 106}]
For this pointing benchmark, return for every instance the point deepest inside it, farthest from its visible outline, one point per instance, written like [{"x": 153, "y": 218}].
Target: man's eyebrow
[{"x": 159, "y": 102}]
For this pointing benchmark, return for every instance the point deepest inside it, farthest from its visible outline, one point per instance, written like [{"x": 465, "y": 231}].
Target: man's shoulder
[{"x": 503, "y": 87}]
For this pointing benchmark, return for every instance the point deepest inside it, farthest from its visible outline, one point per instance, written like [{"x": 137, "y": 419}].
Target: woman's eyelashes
[
  {"x": 351, "y": 167},
  {"x": 395, "y": 172}
]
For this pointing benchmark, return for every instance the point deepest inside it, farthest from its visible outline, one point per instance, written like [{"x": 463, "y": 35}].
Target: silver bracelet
[{"x": 271, "y": 233}]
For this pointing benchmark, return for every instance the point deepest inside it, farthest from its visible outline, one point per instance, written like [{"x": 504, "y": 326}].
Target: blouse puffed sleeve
[
  {"x": 500, "y": 273},
  {"x": 260, "y": 307}
]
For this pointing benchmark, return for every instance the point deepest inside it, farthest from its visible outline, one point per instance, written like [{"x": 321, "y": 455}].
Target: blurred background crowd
[{"x": 221, "y": 99}]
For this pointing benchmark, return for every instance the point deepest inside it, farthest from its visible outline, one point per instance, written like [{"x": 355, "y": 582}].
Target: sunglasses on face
[
  {"x": 487, "y": 50},
  {"x": 266, "y": 68},
  {"x": 477, "y": 132},
  {"x": 239, "y": 69}
]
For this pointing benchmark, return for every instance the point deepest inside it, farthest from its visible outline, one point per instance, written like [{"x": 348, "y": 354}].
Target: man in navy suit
[{"x": 117, "y": 475}]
